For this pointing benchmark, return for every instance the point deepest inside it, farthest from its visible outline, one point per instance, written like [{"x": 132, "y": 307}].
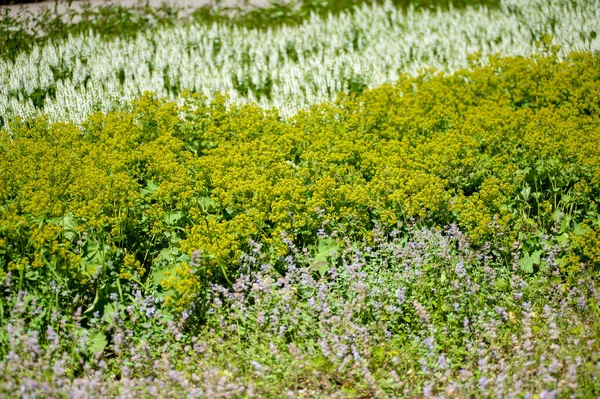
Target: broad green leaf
[
  {"x": 528, "y": 261},
  {"x": 91, "y": 269},
  {"x": 97, "y": 342},
  {"x": 95, "y": 252},
  {"x": 172, "y": 218},
  {"x": 565, "y": 223},
  {"x": 109, "y": 311},
  {"x": 68, "y": 223},
  {"x": 167, "y": 255},
  {"x": 525, "y": 192},
  {"x": 207, "y": 204},
  {"x": 580, "y": 230},
  {"x": 563, "y": 238},
  {"x": 158, "y": 275},
  {"x": 324, "y": 250},
  {"x": 535, "y": 257},
  {"x": 151, "y": 187},
  {"x": 174, "y": 238}
]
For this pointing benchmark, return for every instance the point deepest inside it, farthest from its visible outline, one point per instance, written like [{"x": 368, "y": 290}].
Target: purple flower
[
  {"x": 460, "y": 269},
  {"x": 400, "y": 295},
  {"x": 322, "y": 234},
  {"x": 483, "y": 382},
  {"x": 428, "y": 342},
  {"x": 427, "y": 388},
  {"x": 442, "y": 363}
]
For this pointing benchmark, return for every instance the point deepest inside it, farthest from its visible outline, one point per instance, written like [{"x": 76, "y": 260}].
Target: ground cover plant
[
  {"x": 419, "y": 314},
  {"x": 435, "y": 236}
]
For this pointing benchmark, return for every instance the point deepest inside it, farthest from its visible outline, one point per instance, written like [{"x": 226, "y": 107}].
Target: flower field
[
  {"x": 289, "y": 68},
  {"x": 383, "y": 201}
]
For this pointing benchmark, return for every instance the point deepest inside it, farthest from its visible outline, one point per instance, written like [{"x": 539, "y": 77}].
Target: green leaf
[
  {"x": 68, "y": 223},
  {"x": 525, "y": 192},
  {"x": 158, "y": 275},
  {"x": 323, "y": 251},
  {"x": 151, "y": 187},
  {"x": 172, "y": 218},
  {"x": 96, "y": 300},
  {"x": 95, "y": 252},
  {"x": 565, "y": 222},
  {"x": 109, "y": 311},
  {"x": 91, "y": 269},
  {"x": 207, "y": 204},
  {"x": 528, "y": 261},
  {"x": 566, "y": 199},
  {"x": 535, "y": 257},
  {"x": 580, "y": 230},
  {"x": 167, "y": 255},
  {"x": 563, "y": 238},
  {"x": 97, "y": 342}
]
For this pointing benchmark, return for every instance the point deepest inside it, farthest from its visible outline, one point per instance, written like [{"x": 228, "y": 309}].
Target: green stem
[
  {"x": 119, "y": 288},
  {"x": 21, "y": 277},
  {"x": 225, "y": 274}
]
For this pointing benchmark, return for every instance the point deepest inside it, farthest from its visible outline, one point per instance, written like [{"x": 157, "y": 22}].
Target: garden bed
[{"x": 388, "y": 200}]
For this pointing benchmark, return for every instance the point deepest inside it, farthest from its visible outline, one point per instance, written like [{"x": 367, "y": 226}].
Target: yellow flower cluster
[{"x": 501, "y": 150}]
